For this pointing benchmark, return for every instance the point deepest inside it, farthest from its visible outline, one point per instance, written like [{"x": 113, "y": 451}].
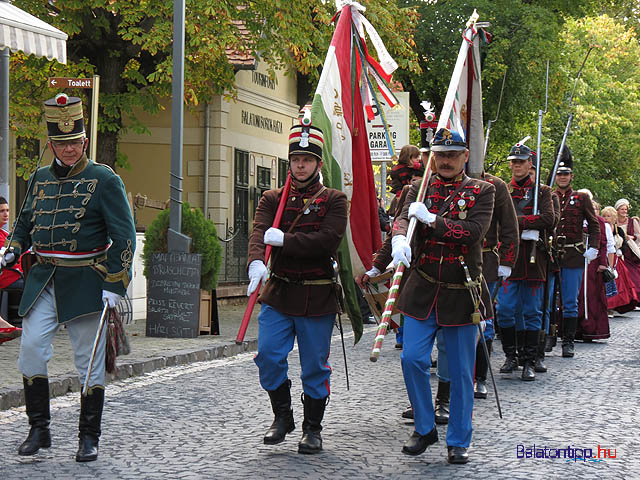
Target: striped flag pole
[{"x": 444, "y": 120}]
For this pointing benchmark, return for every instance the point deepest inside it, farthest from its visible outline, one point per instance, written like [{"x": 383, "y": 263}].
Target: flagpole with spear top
[{"x": 468, "y": 35}]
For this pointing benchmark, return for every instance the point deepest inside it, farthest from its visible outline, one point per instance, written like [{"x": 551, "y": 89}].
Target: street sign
[
  {"x": 398, "y": 124},
  {"x": 67, "y": 82}
]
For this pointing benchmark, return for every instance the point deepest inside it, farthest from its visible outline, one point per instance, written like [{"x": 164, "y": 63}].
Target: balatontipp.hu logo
[{"x": 568, "y": 453}]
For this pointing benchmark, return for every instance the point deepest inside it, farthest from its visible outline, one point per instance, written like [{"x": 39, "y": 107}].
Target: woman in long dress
[
  {"x": 630, "y": 249},
  {"x": 627, "y": 297},
  {"x": 594, "y": 324}
]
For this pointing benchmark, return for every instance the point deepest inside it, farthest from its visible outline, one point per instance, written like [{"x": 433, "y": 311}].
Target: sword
[
  {"x": 475, "y": 298},
  {"x": 338, "y": 292},
  {"x": 493, "y": 380},
  {"x": 95, "y": 347},
  {"x": 344, "y": 351}
]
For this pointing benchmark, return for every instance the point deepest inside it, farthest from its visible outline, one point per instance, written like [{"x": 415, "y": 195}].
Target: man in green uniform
[{"x": 78, "y": 223}]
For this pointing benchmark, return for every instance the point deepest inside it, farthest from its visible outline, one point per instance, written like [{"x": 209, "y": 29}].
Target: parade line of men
[
  {"x": 78, "y": 224},
  {"x": 483, "y": 245}
]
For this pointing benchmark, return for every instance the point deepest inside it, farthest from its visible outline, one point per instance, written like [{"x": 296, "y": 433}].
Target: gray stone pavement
[
  {"x": 206, "y": 420},
  {"x": 147, "y": 353}
]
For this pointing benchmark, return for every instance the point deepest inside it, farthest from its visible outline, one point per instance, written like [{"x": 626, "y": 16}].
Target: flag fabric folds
[{"x": 338, "y": 108}]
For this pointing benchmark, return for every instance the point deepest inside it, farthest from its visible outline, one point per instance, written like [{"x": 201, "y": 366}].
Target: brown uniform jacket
[
  {"x": 575, "y": 207},
  {"x": 522, "y": 195},
  {"x": 307, "y": 250},
  {"x": 435, "y": 278},
  {"x": 500, "y": 245}
]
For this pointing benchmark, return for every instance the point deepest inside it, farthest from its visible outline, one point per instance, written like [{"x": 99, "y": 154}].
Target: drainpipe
[{"x": 207, "y": 114}]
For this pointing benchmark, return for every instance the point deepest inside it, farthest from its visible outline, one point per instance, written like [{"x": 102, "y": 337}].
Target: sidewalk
[{"x": 147, "y": 353}]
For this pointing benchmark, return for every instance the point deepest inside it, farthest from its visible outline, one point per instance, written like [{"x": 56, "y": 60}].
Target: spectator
[
  {"x": 626, "y": 297},
  {"x": 8, "y": 331},
  {"x": 405, "y": 169}
]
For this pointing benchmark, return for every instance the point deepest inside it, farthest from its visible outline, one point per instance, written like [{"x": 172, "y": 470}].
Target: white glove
[
  {"x": 374, "y": 272},
  {"x": 530, "y": 235},
  {"x": 483, "y": 325},
  {"x": 422, "y": 214},
  {"x": 7, "y": 258},
  {"x": 257, "y": 274},
  {"x": 590, "y": 254},
  {"x": 112, "y": 299},
  {"x": 504, "y": 271},
  {"x": 274, "y": 236},
  {"x": 400, "y": 250},
  {"x": 615, "y": 274}
]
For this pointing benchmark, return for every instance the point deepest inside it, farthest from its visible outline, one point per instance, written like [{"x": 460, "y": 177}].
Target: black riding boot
[
  {"x": 89, "y": 425},
  {"x": 283, "y": 422},
  {"x": 509, "y": 348},
  {"x": 569, "y": 326},
  {"x": 441, "y": 410},
  {"x": 482, "y": 367},
  {"x": 529, "y": 350},
  {"x": 540, "y": 366},
  {"x": 549, "y": 342},
  {"x": 311, "y": 441},
  {"x": 36, "y": 396},
  {"x": 520, "y": 346}
]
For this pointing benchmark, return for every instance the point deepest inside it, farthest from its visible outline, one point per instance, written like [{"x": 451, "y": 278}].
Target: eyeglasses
[
  {"x": 64, "y": 143},
  {"x": 450, "y": 155}
]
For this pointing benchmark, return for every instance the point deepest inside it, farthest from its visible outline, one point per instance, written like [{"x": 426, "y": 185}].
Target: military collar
[
  {"x": 438, "y": 180},
  {"x": 524, "y": 182},
  {"x": 78, "y": 167},
  {"x": 310, "y": 189},
  {"x": 568, "y": 192}
]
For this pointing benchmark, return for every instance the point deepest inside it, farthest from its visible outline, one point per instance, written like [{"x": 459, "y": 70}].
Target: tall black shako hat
[
  {"x": 305, "y": 138},
  {"x": 566, "y": 160},
  {"x": 446, "y": 140},
  {"x": 64, "y": 117},
  {"x": 519, "y": 152}
]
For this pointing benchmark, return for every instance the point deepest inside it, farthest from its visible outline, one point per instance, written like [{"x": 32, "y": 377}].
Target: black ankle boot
[
  {"x": 36, "y": 396},
  {"x": 441, "y": 410},
  {"x": 311, "y": 441},
  {"x": 281, "y": 406},
  {"x": 509, "y": 348},
  {"x": 569, "y": 326},
  {"x": 89, "y": 425}
]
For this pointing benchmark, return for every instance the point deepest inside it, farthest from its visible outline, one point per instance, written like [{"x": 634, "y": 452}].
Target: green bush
[{"x": 204, "y": 240}]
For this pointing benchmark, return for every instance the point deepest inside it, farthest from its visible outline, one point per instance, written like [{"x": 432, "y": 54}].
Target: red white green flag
[{"x": 338, "y": 109}]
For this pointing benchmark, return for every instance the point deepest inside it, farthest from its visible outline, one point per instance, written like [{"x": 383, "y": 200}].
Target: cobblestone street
[{"x": 207, "y": 419}]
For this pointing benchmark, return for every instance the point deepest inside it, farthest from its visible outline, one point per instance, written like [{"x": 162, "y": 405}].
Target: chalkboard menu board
[{"x": 173, "y": 295}]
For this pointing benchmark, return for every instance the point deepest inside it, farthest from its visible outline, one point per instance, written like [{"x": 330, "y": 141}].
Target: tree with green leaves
[{"x": 129, "y": 44}]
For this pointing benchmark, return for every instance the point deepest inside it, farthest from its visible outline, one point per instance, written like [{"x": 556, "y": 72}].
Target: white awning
[{"x": 21, "y": 31}]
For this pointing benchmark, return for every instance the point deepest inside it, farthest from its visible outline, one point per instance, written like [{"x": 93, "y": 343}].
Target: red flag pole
[{"x": 267, "y": 254}]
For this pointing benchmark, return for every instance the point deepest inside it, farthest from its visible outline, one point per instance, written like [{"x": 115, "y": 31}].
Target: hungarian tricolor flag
[{"x": 344, "y": 91}]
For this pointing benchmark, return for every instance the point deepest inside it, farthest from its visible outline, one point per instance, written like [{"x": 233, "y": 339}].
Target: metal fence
[{"x": 235, "y": 251}]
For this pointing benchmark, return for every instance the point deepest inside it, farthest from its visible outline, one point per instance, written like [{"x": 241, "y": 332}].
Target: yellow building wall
[{"x": 258, "y": 121}]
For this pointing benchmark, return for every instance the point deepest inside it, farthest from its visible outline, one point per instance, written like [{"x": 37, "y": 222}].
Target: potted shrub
[{"x": 204, "y": 240}]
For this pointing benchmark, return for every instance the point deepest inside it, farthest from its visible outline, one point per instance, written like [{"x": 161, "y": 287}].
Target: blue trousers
[
  {"x": 416, "y": 362},
  {"x": 520, "y": 299},
  {"x": 571, "y": 279},
  {"x": 276, "y": 334}
]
